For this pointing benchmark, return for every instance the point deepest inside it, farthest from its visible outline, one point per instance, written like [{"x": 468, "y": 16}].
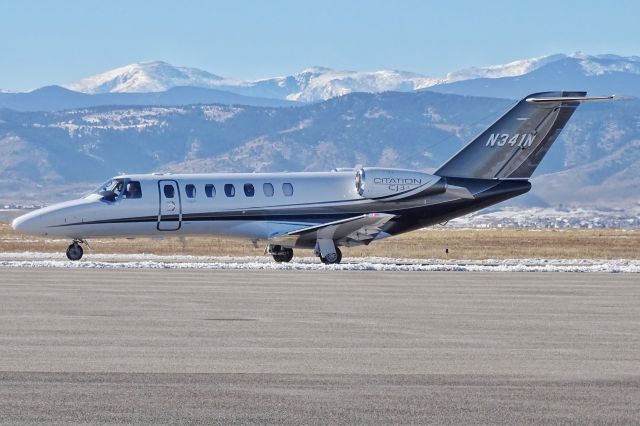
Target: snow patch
[
  {"x": 117, "y": 119},
  {"x": 303, "y": 124},
  {"x": 377, "y": 113},
  {"x": 220, "y": 113},
  {"x": 148, "y": 261}
]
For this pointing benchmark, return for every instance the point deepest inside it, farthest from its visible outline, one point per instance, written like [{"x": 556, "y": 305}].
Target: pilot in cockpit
[
  {"x": 117, "y": 190},
  {"x": 133, "y": 190}
]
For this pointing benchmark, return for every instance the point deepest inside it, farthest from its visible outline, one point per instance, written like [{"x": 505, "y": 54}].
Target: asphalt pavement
[{"x": 341, "y": 347}]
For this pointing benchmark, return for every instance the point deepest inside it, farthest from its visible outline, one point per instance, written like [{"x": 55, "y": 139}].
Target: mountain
[
  {"x": 511, "y": 69},
  {"x": 159, "y": 83},
  {"x": 600, "y": 75},
  {"x": 54, "y": 98},
  {"x": 595, "y": 73},
  {"x": 49, "y": 98},
  {"x": 156, "y": 76},
  {"x": 46, "y": 156},
  {"x": 310, "y": 85},
  {"x": 318, "y": 83}
]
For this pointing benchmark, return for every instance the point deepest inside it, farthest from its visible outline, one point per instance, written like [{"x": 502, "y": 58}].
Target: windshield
[{"x": 111, "y": 189}]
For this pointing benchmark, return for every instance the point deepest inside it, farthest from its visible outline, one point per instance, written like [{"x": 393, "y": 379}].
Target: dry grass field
[{"x": 429, "y": 244}]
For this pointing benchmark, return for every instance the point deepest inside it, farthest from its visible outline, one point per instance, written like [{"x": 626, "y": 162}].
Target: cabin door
[{"x": 170, "y": 213}]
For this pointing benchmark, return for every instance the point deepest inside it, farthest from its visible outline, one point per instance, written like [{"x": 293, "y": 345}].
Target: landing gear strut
[
  {"x": 74, "y": 251},
  {"x": 281, "y": 254}
]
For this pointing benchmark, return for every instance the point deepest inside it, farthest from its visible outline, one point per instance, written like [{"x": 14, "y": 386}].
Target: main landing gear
[
  {"x": 281, "y": 254},
  {"x": 74, "y": 251},
  {"x": 327, "y": 251},
  {"x": 331, "y": 259}
]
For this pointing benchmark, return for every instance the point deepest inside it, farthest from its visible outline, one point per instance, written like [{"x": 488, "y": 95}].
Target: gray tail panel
[{"x": 513, "y": 146}]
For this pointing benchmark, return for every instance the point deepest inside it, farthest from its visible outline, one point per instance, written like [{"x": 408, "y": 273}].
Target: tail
[{"x": 513, "y": 146}]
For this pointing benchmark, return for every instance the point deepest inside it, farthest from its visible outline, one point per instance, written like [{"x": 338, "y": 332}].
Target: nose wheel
[
  {"x": 74, "y": 251},
  {"x": 281, "y": 254}
]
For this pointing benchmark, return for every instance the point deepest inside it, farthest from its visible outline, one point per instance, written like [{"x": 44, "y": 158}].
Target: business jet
[{"x": 321, "y": 211}]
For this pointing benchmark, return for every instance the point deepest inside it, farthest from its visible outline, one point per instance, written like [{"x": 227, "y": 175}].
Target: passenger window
[
  {"x": 230, "y": 190},
  {"x": 267, "y": 188},
  {"x": 249, "y": 190},
  {"x": 190, "y": 190},
  {"x": 210, "y": 190},
  {"x": 168, "y": 191},
  {"x": 133, "y": 190},
  {"x": 287, "y": 189}
]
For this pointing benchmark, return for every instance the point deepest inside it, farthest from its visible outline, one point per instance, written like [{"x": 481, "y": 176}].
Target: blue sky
[{"x": 46, "y": 42}]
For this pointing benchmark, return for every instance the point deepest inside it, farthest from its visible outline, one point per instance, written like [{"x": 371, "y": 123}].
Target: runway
[{"x": 236, "y": 346}]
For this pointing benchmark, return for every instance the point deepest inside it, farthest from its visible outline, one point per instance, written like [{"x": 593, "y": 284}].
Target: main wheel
[
  {"x": 74, "y": 252},
  {"x": 284, "y": 255},
  {"x": 332, "y": 260}
]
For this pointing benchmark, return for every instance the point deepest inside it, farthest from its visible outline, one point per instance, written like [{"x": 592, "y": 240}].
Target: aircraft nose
[
  {"x": 18, "y": 224},
  {"x": 25, "y": 224}
]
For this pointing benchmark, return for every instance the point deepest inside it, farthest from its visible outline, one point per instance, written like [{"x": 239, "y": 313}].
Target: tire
[
  {"x": 284, "y": 255},
  {"x": 339, "y": 253},
  {"x": 288, "y": 254},
  {"x": 74, "y": 252},
  {"x": 337, "y": 260}
]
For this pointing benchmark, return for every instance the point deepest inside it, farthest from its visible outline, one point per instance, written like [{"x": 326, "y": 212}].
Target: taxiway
[{"x": 216, "y": 346}]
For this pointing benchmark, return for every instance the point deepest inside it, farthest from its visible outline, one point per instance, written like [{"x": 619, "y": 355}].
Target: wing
[{"x": 352, "y": 231}]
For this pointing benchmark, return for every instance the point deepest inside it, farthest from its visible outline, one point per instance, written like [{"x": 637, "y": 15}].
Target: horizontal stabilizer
[
  {"x": 569, "y": 99},
  {"x": 460, "y": 191}
]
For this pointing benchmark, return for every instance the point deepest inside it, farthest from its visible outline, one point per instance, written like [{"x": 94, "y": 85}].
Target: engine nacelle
[{"x": 376, "y": 182}]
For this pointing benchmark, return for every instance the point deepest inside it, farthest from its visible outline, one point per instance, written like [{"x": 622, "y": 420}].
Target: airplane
[{"x": 319, "y": 210}]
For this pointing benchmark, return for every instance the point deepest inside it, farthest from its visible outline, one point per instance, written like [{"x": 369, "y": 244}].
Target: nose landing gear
[{"x": 75, "y": 251}]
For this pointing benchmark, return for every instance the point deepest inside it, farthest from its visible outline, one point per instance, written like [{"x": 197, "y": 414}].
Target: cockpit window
[
  {"x": 133, "y": 190},
  {"x": 111, "y": 189}
]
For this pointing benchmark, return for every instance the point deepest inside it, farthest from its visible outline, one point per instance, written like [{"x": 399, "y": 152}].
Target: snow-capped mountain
[
  {"x": 512, "y": 69},
  {"x": 595, "y": 65},
  {"x": 156, "y": 76},
  {"x": 588, "y": 65},
  {"x": 319, "y": 83},
  {"x": 310, "y": 85},
  {"x": 597, "y": 74}
]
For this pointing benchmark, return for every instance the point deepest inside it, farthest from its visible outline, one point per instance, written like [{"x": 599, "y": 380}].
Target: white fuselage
[{"x": 246, "y": 205}]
